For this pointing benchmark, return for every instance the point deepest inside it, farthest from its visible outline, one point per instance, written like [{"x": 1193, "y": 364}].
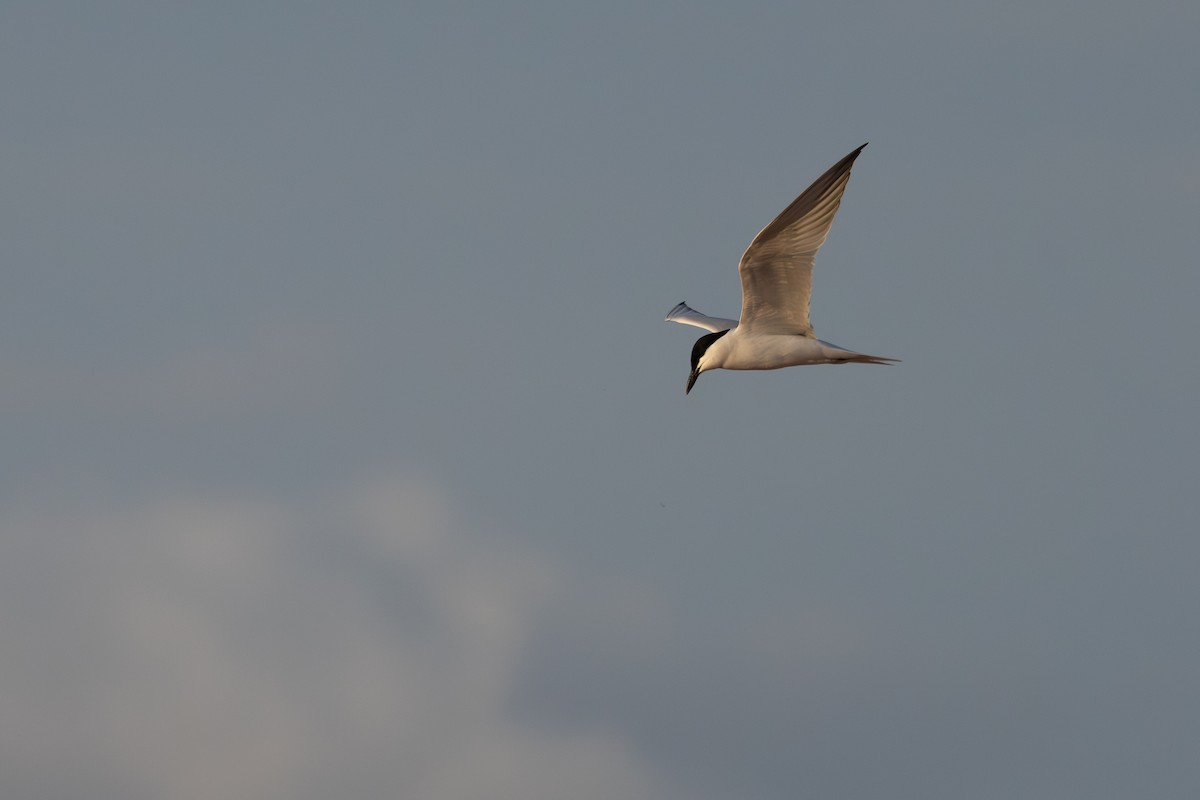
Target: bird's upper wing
[
  {"x": 689, "y": 316},
  {"x": 776, "y": 269}
]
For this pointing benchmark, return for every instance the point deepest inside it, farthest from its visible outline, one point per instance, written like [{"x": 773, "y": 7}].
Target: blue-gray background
[{"x": 346, "y": 452}]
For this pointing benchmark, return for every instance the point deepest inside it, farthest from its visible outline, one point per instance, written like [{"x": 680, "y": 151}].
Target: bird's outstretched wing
[
  {"x": 689, "y": 316},
  {"x": 776, "y": 269}
]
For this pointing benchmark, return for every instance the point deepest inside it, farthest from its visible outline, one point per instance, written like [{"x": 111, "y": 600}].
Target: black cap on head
[{"x": 698, "y": 350}]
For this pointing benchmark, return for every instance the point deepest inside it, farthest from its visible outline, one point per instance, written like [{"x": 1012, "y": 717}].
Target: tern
[{"x": 776, "y": 271}]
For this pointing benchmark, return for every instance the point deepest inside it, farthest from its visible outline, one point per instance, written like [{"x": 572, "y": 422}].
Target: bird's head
[{"x": 699, "y": 349}]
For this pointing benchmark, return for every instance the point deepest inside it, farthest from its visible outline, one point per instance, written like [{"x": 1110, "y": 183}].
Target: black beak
[{"x": 691, "y": 380}]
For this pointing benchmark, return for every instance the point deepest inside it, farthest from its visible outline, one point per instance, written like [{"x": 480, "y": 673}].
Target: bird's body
[
  {"x": 775, "y": 351},
  {"x": 776, "y": 272}
]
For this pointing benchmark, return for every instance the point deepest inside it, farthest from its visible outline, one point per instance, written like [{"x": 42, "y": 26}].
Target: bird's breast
[{"x": 771, "y": 351}]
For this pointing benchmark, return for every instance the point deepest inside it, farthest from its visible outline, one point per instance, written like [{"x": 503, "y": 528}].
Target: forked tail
[{"x": 862, "y": 358}]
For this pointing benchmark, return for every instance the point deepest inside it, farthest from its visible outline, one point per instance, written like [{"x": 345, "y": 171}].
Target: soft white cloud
[{"x": 362, "y": 643}]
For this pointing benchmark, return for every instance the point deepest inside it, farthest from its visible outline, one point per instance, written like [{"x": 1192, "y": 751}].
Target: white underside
[
  {"x": 740, "y": 350},
  {"x": 751, "y": 348}
]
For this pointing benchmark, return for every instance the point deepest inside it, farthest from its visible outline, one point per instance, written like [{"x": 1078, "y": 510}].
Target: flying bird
[{"x": 776, "y": 273}]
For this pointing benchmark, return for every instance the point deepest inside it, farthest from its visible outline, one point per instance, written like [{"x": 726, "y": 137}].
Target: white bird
[{"x": 776, "y": 273}]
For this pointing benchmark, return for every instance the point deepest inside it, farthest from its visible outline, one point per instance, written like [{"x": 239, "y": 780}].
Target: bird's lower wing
[{"x": 682, "y": 313}]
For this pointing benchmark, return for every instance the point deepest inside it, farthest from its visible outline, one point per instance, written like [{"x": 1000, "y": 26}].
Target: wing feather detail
[
  {"x": 686, "y": 315},
  {"x": 776, "y": 269}
]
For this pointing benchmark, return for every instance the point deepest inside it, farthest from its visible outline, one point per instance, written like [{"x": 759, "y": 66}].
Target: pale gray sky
[{"x": 346, "y": 452}]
